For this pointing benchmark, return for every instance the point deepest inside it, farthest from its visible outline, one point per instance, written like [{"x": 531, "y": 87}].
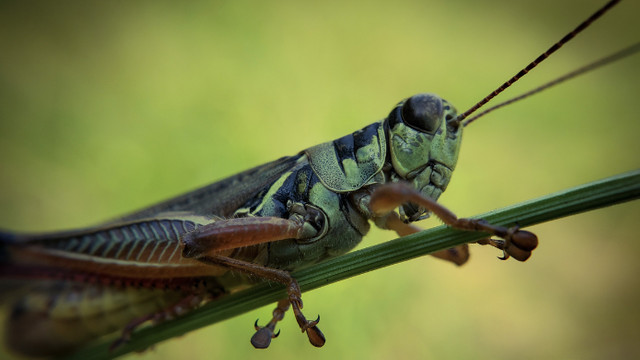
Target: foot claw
[
  {"x": 262, "y": 338},
  {"x": 316, "y": 337},
  {"x": 524, "y": 240},
  {"x": 504, "y": 256},
  {"x": 517, "y": 253},
  {"x": 517, "y": 244},
  {"x": 520, "y": 243}
]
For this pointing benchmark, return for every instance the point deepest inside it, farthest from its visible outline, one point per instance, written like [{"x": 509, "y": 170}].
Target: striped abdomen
[
  {"x": 141, "y": 249},
  {"x": 77, "y": 286}
]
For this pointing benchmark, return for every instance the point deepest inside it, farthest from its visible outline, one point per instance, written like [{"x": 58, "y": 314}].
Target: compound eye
[{"x": 423, "y": 112}]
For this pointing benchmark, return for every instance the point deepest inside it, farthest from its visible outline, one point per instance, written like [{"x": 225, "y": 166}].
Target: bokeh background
[{"x": 106, "y": 107}]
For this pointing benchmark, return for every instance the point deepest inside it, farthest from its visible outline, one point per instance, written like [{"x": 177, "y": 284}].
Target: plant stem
[{"x": 598, "y": 194}]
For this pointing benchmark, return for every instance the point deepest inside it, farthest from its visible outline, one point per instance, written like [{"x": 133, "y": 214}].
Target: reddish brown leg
[
  {"x": 234, "y": 233},
  {"x": 517, "y": 243},
  {"x": 262, "y": 337},
  {"x": 457, "y": 255},
  {"x": 183, "y": 305}
]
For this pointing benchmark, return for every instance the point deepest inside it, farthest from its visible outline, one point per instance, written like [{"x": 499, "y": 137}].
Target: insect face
[{"x": 424, "y": 143}]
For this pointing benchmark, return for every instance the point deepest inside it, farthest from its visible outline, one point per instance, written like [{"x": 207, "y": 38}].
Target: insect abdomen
[
  {"x": 59, "y": 316},
  {"x": 143, "y": 241}
]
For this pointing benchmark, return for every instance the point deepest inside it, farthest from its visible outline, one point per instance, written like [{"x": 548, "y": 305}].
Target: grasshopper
[{"x": 258, "y": 223}]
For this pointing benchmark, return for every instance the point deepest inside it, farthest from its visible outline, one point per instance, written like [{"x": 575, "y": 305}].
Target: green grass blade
[{"x": 598, "y": 194}]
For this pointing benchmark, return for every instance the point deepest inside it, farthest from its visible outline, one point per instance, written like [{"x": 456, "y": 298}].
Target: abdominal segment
[{"x": 58, "y": 316}]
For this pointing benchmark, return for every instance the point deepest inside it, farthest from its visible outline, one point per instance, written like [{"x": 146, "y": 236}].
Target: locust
[{"x": 258, "y": 225}]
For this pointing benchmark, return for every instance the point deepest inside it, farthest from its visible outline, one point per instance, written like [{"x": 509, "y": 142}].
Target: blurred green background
[{"x": 106, "y": 107}]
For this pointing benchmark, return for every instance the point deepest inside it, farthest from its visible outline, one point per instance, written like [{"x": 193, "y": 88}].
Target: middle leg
[{"x": 263, "y": 337}]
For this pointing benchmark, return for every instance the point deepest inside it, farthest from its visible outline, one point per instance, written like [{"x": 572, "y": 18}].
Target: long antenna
[
  {"x": 540, "y": 58},
  {"x": 594, "y": 65}
]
